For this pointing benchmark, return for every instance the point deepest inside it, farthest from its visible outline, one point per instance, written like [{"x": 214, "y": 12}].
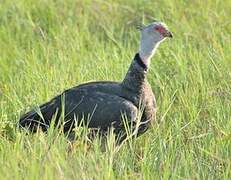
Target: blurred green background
[{"x": 47, "y": 46}]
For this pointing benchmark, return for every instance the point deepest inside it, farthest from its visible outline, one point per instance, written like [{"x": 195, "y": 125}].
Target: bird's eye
[
  {"x": 157, "y": 28},
  {"x": 160, "y": 29}
]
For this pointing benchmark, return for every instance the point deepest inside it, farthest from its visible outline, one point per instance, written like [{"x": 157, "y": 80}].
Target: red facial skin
[{"x": 161, "y": 30}]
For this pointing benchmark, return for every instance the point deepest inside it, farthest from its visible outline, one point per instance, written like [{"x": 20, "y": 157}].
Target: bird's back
[{"x": 99, "y": 103}]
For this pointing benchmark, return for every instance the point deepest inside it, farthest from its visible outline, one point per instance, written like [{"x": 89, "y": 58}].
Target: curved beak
[{"x": 168, "y": 34}]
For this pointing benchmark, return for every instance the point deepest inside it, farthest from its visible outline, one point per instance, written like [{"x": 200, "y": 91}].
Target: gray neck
[
  {"x": 147, "y": 49},
  {"x": 136, "y": 76}
]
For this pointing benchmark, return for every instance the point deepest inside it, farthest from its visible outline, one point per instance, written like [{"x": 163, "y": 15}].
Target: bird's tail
[{"x": 39, "y": 117}]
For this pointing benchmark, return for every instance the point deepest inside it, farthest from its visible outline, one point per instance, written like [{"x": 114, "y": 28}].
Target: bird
[{"x": 107, "y": 104}]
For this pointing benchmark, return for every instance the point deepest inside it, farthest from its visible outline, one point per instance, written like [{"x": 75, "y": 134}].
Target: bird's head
[
  {"x": 156, "y": 31},
  {"x": 151, "y": 36}
]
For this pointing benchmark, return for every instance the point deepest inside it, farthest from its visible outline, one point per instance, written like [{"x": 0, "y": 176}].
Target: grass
[{"x": 48, "y": 46}]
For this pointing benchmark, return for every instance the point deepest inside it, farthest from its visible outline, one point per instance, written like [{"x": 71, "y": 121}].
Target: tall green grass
[{"x": 47, "y": 46}]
